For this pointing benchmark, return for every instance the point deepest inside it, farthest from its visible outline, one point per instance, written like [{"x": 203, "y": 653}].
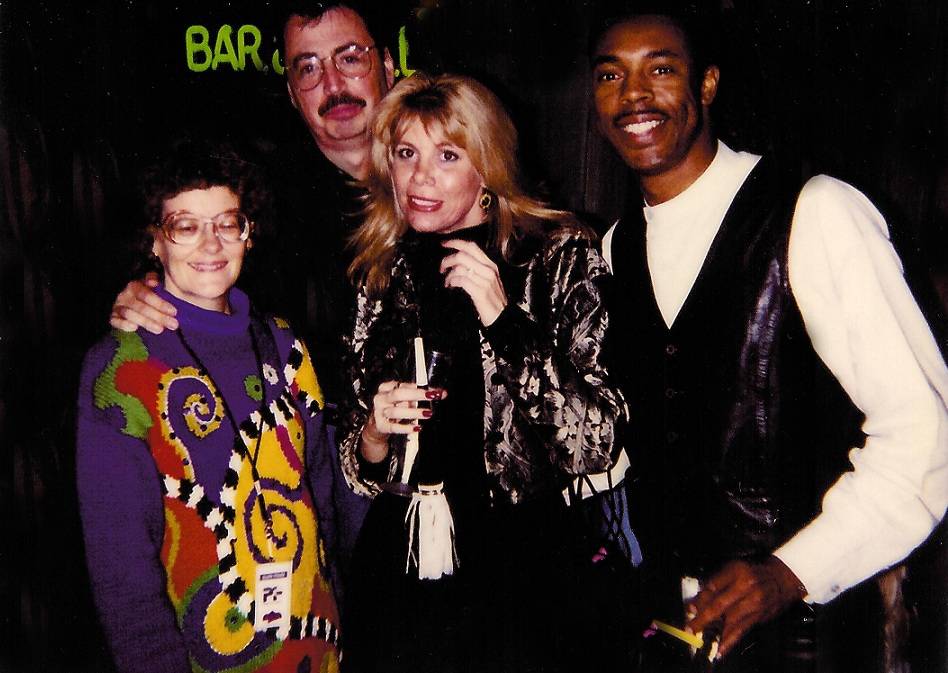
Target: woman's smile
[{"x": 424, "y": 205}]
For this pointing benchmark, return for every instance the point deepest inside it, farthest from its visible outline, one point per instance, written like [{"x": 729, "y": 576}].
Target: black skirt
[{"x": 515, "y": 603}]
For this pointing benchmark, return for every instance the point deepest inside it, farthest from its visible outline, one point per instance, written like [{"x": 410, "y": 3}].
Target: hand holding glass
[{"x": 433, "y": 374}]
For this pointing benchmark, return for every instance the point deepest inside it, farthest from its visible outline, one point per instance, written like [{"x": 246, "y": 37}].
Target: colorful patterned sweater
[{"x": 173, "y": 528}]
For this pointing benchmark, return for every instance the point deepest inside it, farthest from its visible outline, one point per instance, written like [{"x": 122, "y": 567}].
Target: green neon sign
[{"x": 235, "y": 49}]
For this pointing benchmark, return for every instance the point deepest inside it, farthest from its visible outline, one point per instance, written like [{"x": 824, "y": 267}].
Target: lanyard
[{"x": 255, "y": 454}]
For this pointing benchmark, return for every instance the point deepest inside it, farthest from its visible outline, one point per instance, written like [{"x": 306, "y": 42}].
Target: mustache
[
  {"x": 625, "y": 114},
  {"x": 339, "y": 99}
]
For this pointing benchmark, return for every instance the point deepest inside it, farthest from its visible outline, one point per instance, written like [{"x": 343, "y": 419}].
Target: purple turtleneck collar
[{"x": 196, "y": 319}]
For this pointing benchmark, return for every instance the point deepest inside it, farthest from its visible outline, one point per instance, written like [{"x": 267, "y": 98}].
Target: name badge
[{"x": 273, "y": 589}]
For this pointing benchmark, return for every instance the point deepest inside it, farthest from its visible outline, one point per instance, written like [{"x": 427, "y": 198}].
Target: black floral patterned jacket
[{"x": 550, "y": 409}]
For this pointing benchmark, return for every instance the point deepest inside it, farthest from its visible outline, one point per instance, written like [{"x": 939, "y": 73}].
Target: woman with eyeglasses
[
  {"x": 197, "y": 449},
  {"x": 468, "y": 559}
]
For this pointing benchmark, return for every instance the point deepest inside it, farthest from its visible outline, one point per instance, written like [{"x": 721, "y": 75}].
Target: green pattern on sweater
[
  {"x": 130, "y": 349},
  {"x": 253, "y": 387}
]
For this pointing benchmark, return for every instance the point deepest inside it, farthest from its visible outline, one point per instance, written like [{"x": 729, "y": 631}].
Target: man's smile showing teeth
[{"x": 638, "y": 128}]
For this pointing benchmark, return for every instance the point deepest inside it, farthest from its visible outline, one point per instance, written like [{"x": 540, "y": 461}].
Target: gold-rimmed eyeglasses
[
  {"x": 185, "y": 228},
  {"x": 351, "y": 60}
]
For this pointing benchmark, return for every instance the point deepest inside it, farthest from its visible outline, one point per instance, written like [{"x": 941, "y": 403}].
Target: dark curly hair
[{"x": 197, "y": 164}]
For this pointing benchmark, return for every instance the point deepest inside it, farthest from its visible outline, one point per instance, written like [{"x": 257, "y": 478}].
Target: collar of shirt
[{"x": 679, "y": 231}]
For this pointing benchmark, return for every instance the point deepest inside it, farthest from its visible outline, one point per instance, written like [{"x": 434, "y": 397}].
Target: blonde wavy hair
[{"x": 470, "y": 116}]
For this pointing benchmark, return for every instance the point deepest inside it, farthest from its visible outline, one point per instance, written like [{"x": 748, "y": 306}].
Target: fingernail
[
  {"x": 427, "y": 413},
  {"x": 433, "y": 394},
  {"x": 416, "y": 428}
]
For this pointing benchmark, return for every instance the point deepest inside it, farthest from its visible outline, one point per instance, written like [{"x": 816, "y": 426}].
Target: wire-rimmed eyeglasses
[
  {"x": 185, "y": 228},
  {"x": 351, "y": 60}
]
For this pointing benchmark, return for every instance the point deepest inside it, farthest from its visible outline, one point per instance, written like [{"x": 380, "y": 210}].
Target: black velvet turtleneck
[
  {"x": 452, "y": 446},
  {"x": 448, "y": 317}
]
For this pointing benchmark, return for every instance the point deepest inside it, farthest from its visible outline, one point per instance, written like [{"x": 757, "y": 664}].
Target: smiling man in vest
[{"x": 790, "y": 434}]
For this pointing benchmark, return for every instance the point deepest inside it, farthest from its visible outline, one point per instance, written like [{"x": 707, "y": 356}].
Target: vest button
[{"x": 671, "y": 349}]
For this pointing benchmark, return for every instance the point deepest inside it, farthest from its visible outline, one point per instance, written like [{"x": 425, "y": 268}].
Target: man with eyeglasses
[
  {"x": 337, "y": 70},
  {"x": 336, "y": 73}
]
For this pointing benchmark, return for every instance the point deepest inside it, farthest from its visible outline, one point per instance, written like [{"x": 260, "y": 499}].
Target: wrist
[
  {"x": 791, "y": 588},
  {"x": 373, "y": 445},
  {"x": 490, "y": 316}
]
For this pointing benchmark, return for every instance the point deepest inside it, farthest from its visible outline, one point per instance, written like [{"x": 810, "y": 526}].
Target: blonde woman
[{"x": 453, "y": 250}]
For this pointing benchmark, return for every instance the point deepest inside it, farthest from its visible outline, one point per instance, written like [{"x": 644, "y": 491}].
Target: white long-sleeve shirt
[{"x": 867, "y": 328}]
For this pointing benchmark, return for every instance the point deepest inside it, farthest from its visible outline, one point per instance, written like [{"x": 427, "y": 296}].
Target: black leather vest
[{"x": 737, "y": 426}]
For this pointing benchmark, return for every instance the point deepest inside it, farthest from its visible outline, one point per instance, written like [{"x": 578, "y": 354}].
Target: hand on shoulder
[{"x": 139, "y": 306}]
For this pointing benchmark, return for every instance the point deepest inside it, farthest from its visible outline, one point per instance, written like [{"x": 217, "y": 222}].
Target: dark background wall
[{"x": 857, "y": 89}]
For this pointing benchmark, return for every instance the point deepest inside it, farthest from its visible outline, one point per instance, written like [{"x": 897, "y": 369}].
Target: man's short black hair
[
  {"x": 378, "y": 19},
  {"x": 698, "y": 25}
]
